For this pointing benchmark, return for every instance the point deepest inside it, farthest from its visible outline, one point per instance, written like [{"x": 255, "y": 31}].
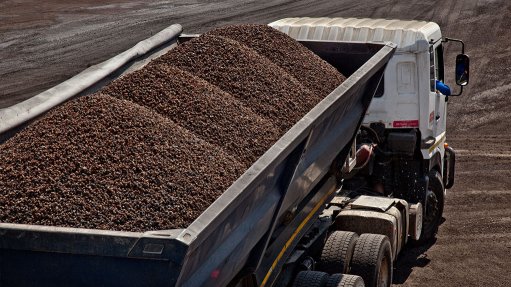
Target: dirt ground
[{"x": 45, "y": 42}]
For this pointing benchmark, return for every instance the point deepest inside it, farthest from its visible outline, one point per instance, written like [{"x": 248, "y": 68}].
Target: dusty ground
[
  {"x": 44, "y": 42},
  {"x": 473, "y": 247}
]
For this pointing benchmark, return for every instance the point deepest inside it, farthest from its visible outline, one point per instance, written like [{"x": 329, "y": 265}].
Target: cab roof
[{"x": 407, "y": 35}]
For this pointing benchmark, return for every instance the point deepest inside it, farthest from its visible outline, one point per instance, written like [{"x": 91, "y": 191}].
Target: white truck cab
[
  {"x": 413, "y": 161},
  {"x": 410, "y": 99}
]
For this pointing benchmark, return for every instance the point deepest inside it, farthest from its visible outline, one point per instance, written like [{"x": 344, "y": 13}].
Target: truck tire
[
  {"x": 434, "y": 207},
  {"x": 372, "y": 260},
  {"x": 337, "y": 252},
  {"x": 344, "y": 280},
  {"x": 310, "y": 279}
]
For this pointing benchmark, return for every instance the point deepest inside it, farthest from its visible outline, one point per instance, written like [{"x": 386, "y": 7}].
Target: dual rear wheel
[
  {"x": 322, "y": 279},
  {"x": 367, "y": 258}
]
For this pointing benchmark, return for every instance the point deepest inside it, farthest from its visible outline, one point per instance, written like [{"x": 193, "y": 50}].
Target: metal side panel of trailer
[{"x": 242, "y": 232}]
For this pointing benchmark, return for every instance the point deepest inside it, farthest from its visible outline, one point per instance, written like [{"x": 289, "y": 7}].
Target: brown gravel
[
  {"x": 159, "y": 145},
  {"x": 260, "y": 84},
  {"x": 100, "y": 162},
  {"x": 312, "y": 72},
  {"x": 200, "y": 107}
]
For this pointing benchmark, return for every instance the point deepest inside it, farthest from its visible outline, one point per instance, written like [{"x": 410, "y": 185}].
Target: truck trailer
[{"x": 332, "y": 203}]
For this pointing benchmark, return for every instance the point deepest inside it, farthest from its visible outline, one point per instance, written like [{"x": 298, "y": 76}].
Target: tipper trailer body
[
  {"x": 269, "y": 225},
  {"x": 237, "y": 229}
]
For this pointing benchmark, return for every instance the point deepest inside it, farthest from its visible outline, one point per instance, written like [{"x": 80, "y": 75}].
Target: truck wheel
[
  {"x": 344, "y": 280},
  {"x": 337, "y": 252},
  {"x": 310, "y": 279},
  {"x": 372, "y": 260},
  {"x": 434, "y": 207}
]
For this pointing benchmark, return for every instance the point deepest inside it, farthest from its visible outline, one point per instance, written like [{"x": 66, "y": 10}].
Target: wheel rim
[{"x": 383, "y": 273}]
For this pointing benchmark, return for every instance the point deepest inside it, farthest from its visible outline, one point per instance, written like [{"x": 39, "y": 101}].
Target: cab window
[
  {"x": 439, "y": 63},
  {"x": 436, "y": 69}
]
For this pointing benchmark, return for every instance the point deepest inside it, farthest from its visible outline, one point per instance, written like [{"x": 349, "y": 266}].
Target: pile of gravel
[
  {"x": 159, "y": 145},
  {"x": 99, "y": 162},
  {"x": 200, "y": 107},
  {"x": 312, "y": 71},
  {"x": 257, "y": 82}
]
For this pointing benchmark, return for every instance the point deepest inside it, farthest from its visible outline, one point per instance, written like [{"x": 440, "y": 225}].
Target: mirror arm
[
  {"x": 455, "y": 40},
  {"x": 455, "y": 95},
  {"x": 446, "y": 39}
]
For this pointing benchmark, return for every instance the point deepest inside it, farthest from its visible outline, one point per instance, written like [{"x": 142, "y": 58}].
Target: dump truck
[{"x": 332, "y": 203}]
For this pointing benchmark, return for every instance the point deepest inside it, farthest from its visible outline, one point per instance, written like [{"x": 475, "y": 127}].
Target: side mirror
[{"x": 462, "y": 69}]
